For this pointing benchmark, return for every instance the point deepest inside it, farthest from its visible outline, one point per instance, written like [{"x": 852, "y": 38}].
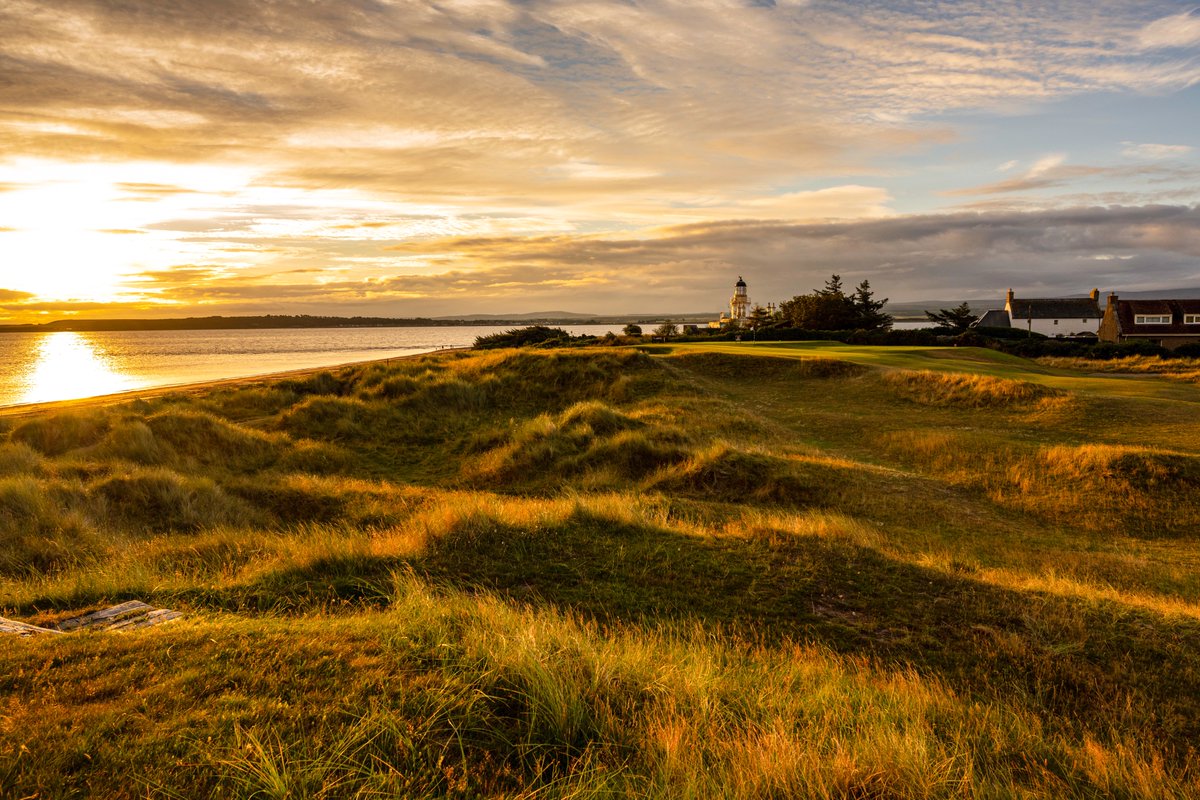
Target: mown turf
[{"x": 732, "y": 571}]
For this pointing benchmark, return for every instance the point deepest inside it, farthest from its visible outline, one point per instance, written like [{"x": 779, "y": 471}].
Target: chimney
[
  {"x": 1095, "y": 295},
  {"x": 1008, "y": 300},
  {"x": 1112, "y": 299}
]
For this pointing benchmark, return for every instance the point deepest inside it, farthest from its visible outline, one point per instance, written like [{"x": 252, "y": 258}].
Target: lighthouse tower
[{"x": 739, "y": 304}]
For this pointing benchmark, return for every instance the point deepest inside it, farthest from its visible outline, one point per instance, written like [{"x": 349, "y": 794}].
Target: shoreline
[{"x": 22, "y": 409}]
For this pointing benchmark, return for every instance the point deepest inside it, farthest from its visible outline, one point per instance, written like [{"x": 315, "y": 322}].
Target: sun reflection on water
[{"x": 68, "y": 366}]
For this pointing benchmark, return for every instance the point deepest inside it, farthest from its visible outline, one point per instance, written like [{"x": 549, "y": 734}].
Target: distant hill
[
  {"x": 527, "y": 315},
  {"x": 574, "y": 317}
]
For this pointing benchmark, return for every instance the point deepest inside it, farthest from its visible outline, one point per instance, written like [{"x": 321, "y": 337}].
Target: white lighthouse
[{"x": 739, "y": 304}]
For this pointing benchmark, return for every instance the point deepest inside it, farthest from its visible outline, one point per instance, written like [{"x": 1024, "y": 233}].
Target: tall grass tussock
[
  {"x": 962, "y": 390},
  {"x": 736, "y": 571}
]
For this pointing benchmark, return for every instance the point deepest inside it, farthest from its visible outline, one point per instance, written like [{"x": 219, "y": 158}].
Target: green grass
[{"x": 756, "y": 570}]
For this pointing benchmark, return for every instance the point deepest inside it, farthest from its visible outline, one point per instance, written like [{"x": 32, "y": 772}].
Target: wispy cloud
[
  {"x": 1156, "y": 151},
  {"x": 1176, "y": 30}
]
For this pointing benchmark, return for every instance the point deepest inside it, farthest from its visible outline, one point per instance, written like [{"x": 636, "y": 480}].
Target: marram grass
[{"x": 608, "y": 573}]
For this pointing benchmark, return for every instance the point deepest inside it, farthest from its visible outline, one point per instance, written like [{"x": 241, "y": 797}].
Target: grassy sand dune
[{"x": 798, "y": 570}]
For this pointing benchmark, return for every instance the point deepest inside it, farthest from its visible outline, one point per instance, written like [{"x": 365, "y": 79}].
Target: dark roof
[
  {"x": 740, "y": 281},
  {"x": 1055, "y": 308},
  {"x": 1127, "y": 310},
  {"x": 996, "y": 318}
]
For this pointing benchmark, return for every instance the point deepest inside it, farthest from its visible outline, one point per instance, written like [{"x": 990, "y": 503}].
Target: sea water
[{"x": 65, "y": 365}]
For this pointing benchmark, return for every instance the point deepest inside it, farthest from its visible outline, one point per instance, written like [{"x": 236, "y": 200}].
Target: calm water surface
[{"x": 40, "y": 367}]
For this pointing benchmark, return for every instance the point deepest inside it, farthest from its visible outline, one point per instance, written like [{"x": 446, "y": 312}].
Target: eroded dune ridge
[{"x": 708, "y": 571}]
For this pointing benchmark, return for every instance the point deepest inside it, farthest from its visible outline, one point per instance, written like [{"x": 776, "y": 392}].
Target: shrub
[{"x": 523, "y": 337}]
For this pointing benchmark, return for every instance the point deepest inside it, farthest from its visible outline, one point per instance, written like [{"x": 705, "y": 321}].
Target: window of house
[
  {"x": 1191, "y": 319},
  {"x": 1055, "y": 322},
  {"x": 1152, "y": 319}
]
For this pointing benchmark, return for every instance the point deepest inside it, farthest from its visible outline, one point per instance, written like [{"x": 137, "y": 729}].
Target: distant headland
[{"x": 308, "y": 321}]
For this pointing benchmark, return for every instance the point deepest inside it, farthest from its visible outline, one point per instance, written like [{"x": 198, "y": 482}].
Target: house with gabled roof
[
  {"x": 993, "y": 318},
  {"x": 1166, "y": 323},
  {"x": 1057, "y": 316}
]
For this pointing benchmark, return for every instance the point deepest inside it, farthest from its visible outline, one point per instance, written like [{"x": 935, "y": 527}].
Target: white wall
[{"x": 1065, "y": 327}]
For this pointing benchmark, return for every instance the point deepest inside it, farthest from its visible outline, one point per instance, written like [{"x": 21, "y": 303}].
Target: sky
[{"x": 393, "y": 158}]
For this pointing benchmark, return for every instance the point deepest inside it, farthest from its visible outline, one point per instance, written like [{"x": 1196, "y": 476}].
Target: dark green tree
[
  {"x": 522, "y": 337},
  {"x": 953, "y": 320},
  {"x": 833, "y": 286},
  {"x": 759, "y": 318},
  {"x": 666, "y": 330},
  {"x": 818, "y": 312},
  {"x": 869, "y": 311},
  {"x": 632, "y": 330},
  {"x": 831, "y": 309}
]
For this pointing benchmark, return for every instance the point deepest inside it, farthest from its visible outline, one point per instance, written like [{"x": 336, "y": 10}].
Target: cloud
[
  {"x": 573, "y": 99},
  {"x": 11, "y": 295},
  {"x": 1177, "y": 30},
  {"x": 905, "y": 257},
  {"x": 1045, "y": 164},
  {"x": 1051, "y": 172},
  {"x": 466, "y": 145},
  {"x": 1156, "y": 151},
  {"x": 691, "y": 267},
  {"x": 1047, "y": 172}
]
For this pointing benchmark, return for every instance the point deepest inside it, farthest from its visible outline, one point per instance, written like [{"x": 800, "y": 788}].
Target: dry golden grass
[
  {"x": 601, "y": 573},
  {"x": 1180, "y": 369},
  {"x": 961, "y": 390}
]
